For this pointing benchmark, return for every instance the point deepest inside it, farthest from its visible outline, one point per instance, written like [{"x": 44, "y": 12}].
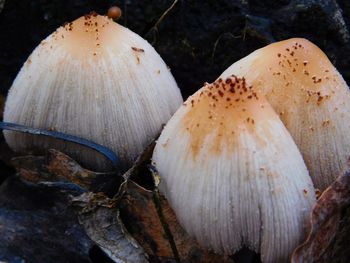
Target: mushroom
[
  {"x": 310, "y": 96},
  {"x": 114, "y": 12},
  {"x": 95, "y": 79},
  {"x": 233, "y": 174}
]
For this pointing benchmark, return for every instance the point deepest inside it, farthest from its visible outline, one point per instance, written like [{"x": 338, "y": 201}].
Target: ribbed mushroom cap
[
  {"x": 233, "y": 174},
  {"x": 311, "y": 98},
  {"x": 95, "y": 79}
]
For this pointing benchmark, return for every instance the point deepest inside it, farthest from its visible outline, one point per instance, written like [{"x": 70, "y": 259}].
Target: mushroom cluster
[
  {"x": 229, "y": 158},
  {"x": 95, "y": 79},
  {"x": 311, "y": 98},
  {"x": 233, "y": 174}
]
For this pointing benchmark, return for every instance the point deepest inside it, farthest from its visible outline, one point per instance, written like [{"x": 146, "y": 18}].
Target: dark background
[{"x": 197, "y": 39}]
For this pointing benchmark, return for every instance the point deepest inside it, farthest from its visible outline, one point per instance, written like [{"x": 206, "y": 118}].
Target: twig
[
  {"x": 155, "y": 27},
  {"x": 218, "y": 40},
  {"x": 165, "y": 13},
  {"x": 158, "y": 204}
]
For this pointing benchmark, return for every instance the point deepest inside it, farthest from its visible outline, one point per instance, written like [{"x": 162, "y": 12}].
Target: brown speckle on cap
[
  {"x": 138, "y": 49},
  {"x": 136, "y": 52},
  {"x": 224, "y": 109}
]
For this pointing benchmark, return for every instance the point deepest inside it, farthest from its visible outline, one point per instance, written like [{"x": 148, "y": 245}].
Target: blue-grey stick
[{"x": 110, "y": 155}]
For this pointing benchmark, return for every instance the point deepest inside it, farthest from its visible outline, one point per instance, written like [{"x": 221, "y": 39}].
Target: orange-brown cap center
[{"x": 221, "y": 110}]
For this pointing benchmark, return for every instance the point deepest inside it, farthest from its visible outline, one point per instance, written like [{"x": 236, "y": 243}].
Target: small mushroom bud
[
  {"x": 114, "y": 12},
  {"x": 310, "y": 96},
  {"x": 233, "y": 174},
  {"x": 95, "y": 79}
]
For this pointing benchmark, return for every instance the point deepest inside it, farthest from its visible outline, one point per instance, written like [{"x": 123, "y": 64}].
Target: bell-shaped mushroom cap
[
  {"x": 233, "y": 174},
  {"x": 311, "y": 98},
  {"x": 95, "y": 79}
]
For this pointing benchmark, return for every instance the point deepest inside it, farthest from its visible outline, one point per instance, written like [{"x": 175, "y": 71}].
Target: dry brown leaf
[
  {"x": 57, "y": 166},
  {"x": 139, "y": 211},
  {"x": 100, "y": 217},
  {"x": 325, "y": 222}
]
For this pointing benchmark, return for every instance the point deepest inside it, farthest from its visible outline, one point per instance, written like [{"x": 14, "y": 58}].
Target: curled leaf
[
  {"x": 100, "y": 217},
  {"x": 326, "y": 223},
  {"x": 147, "y": 215},
  {"x": 57, "y": 166}
]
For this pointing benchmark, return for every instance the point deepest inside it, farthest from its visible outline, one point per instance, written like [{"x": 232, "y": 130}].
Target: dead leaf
[
  {"x": 57, "y": 166},
  {"x": 325, "y": 223},
  {"x": 100, "y": 217},
  {"x": 139, "y": 213}
]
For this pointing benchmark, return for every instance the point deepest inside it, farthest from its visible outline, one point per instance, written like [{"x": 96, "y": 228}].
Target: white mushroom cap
[
  {"x": 95, "y": 79},
  {"x": 232, "y": 173},
  {"x": 311, "y": 98}
]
